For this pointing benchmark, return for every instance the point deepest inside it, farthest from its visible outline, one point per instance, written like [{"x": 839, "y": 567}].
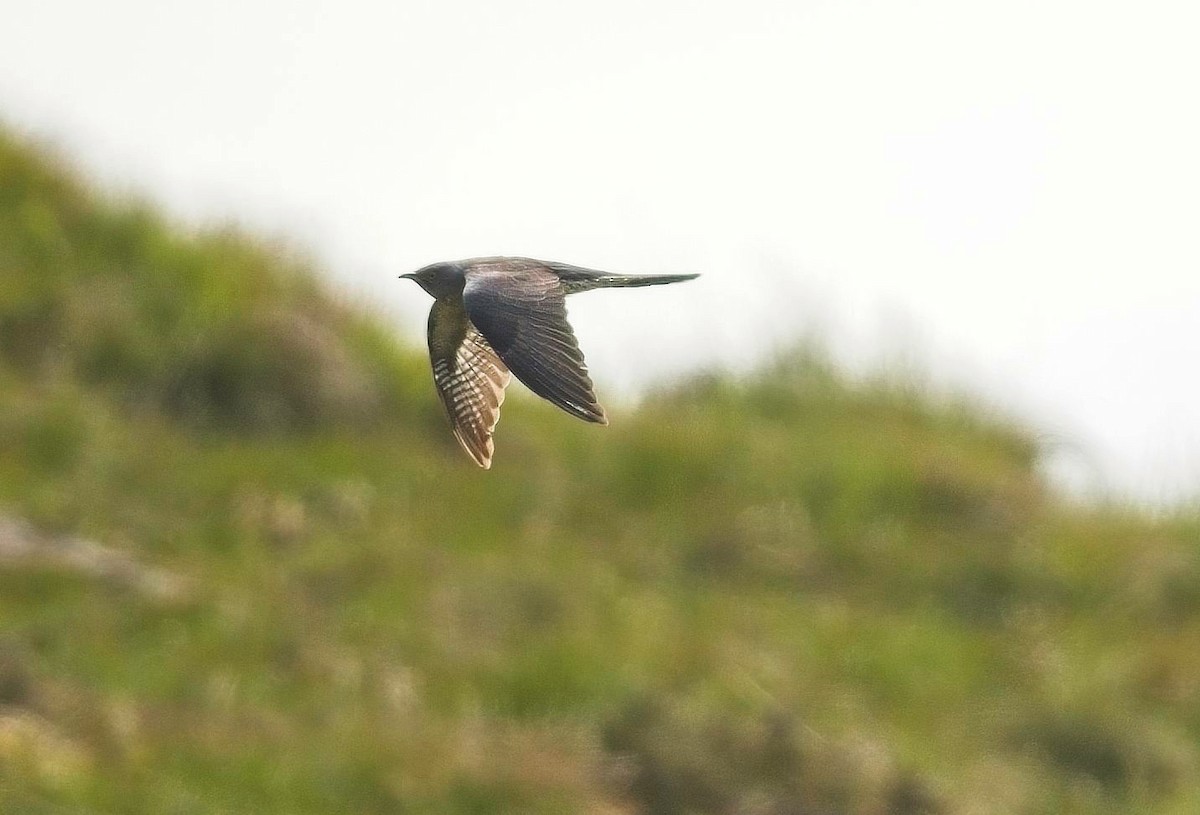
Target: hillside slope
[{"x": 244, "y": 568}]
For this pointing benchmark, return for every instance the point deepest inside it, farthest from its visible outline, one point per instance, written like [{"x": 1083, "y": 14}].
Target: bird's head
[{"x": 438, "y": 279}]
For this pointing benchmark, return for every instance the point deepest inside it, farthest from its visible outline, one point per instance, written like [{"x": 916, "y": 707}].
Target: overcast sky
[{"x": 1007, "y": 193}]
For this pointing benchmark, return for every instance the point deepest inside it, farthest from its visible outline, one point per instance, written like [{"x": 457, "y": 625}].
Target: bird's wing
[
  {"x": 519, "y": 306},
  {"x": 470, "y": 377}
]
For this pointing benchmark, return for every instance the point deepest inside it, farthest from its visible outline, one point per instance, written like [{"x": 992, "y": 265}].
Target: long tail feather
[
  {"x": 609, "y": 281},
  {"x": 576, "y": 284}
]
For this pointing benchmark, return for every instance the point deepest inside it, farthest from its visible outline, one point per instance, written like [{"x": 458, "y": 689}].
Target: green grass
[{"x": 786, "y": 592}]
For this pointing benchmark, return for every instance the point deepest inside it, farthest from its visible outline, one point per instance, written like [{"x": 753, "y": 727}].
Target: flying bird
[{"x": 493, "y": 318}]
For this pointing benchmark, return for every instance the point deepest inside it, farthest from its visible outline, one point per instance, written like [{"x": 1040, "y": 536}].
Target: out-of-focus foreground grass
[{"x": 244, "y": 568}]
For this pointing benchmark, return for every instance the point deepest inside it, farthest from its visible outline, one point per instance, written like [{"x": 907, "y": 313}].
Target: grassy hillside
[{"x": 244, "y": 568}]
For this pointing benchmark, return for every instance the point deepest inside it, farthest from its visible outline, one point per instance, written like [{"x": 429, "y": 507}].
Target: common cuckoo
[{"x": 493, "y": 316}]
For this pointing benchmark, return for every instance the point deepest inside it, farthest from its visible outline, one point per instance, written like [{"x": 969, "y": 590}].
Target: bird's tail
[
  {"x": 615, "y": 280},
  {"x": 576, "y": 279}
]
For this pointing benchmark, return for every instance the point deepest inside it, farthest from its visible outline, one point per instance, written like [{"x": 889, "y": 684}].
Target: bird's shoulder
[{"x": 510, "y": 280}]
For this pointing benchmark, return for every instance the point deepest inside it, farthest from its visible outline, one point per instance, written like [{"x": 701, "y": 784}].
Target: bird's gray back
[{"x": 574, "y": 279}]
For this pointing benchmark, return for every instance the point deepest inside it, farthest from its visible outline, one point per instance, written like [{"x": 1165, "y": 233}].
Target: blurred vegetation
[{"x": 244, "y": 568}]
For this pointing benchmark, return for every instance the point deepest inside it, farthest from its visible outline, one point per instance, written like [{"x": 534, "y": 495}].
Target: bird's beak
[{"x": 410, "y": 276}]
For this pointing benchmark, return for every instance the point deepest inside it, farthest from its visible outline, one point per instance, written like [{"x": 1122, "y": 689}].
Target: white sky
[{"x": 1008, "y": 192}]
